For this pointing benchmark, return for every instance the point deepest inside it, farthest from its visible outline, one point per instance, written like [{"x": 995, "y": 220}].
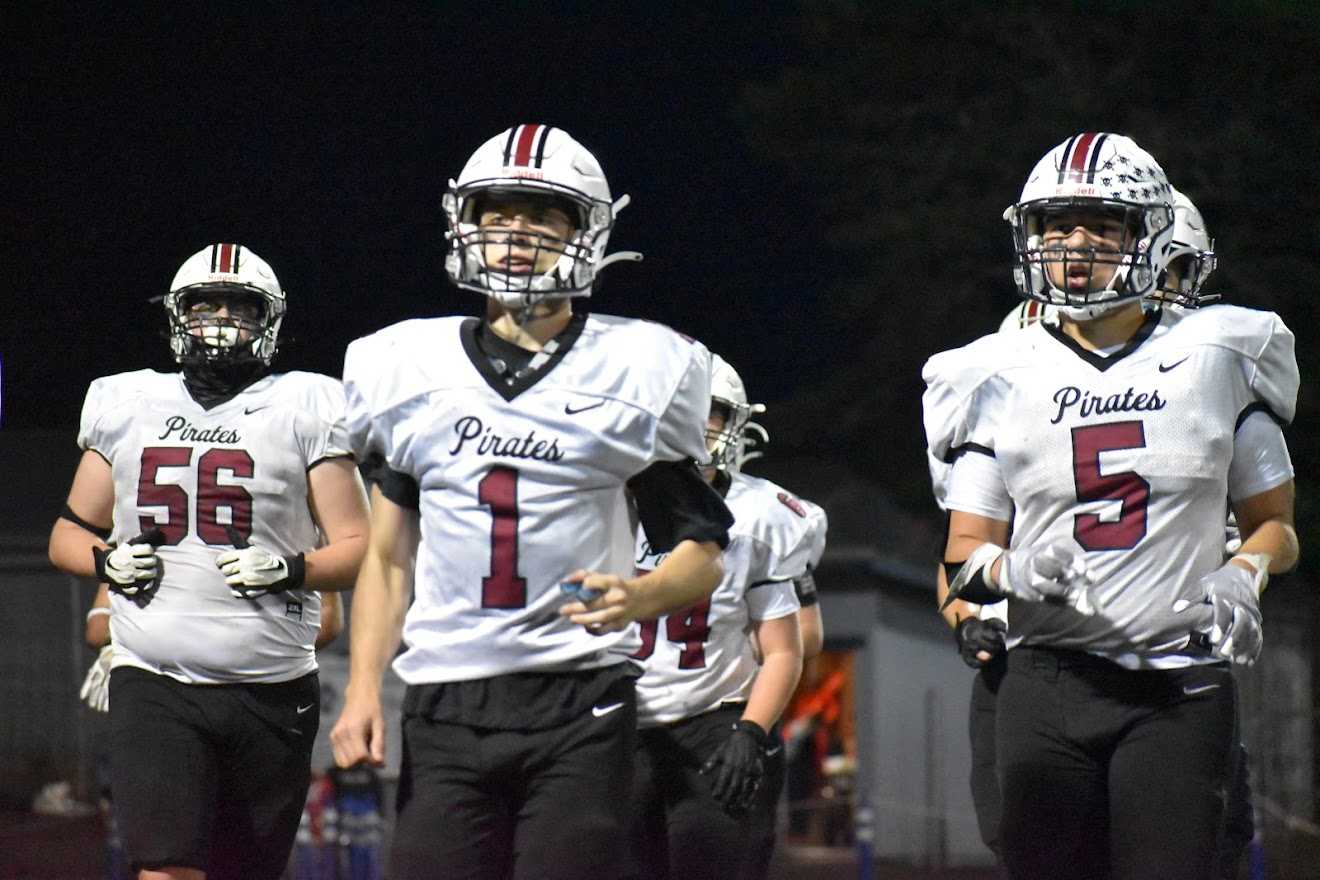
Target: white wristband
[
  {"x": 1260, "y": 562},
  {"x": 95, "y": 612}
]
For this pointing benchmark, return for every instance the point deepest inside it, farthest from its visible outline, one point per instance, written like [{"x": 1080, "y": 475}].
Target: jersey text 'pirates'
[
  {"x": 701, "y": 656},
  {"x": 521, "y": 482},
  {"x": 195, "y": 472},
  {"x": 1126, "y": 456}
]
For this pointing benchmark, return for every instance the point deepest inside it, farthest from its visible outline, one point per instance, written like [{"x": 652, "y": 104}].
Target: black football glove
[
  {"x": 975, "y": 635},
  {"x": 737, "y": 766},
  {"x": 130, "y": 569}
]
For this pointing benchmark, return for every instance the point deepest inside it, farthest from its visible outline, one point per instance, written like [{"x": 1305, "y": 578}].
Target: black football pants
[
  {"x": 981, "y": 732},
  {"x": 679, "y": 830},
  {"x": 1109, "y": 773},
  {"x": 483, "y": 804},
  {"x": 212, "y": 777}
]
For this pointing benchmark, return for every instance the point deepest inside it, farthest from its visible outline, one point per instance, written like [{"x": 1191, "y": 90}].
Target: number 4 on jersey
[{"x": 688, "y": 628}]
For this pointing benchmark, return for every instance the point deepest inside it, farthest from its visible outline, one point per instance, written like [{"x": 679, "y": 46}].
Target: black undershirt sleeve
[
  {"x": 398, "y": 487},
  {"x": 675, "y": 504}
]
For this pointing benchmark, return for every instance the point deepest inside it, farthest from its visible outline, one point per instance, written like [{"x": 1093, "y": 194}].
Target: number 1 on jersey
[{"x": 503, "y": 588}]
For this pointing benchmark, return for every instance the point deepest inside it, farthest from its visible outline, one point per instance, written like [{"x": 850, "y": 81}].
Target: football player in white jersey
[
  {"x": 513, "y": 456},
  {"x": 704, "y": 706},
  {"x": 1109, "y": 443},
  {"x": 751, "y": 442},
  {"x": 214, "y": 502},
  {"x": 980, "y": 630}
]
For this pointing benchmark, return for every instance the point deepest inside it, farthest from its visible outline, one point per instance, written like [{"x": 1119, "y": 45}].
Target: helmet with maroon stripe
[
  {"x": 545, "y": 165},
  {"x": 225, "y": 306},
  {"x": 1103, "y": 176}
]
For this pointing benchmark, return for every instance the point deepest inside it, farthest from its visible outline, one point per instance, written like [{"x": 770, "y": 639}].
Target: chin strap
[
  {"x": 754, "y": 436},
  {"x": 632, "y": 256},
  {"x": 1085, "y": 313},
  {"x": 620, "y": 203}
]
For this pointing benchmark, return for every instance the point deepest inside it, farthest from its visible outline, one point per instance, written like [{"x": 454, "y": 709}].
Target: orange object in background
[{"x": 820, "y": 742}]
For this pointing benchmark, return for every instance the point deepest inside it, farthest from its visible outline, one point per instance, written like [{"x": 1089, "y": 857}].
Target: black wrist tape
[{"x": 976, "y": 589}]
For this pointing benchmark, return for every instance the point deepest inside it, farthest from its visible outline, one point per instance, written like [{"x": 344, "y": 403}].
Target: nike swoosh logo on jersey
[
  {"x": 249, "y": 410},
  {"x": 1191, "y": 691},
  {"x": 1165, "y": 369},
  {"x": 569, "y": 410},
  {"x": 304, "y": 709},
  {"x": 773, "y": 750},
  {"x": 602, "y": 711}
]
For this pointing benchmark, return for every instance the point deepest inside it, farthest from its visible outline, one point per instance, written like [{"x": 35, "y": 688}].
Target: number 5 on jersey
[{"x": 1126, "y": 487}]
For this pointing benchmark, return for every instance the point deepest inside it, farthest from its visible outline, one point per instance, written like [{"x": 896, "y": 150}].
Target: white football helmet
[
  {"x": 231, "y": 270},
  {"x": 1192, "y": 254},
  {"x": 1093, "y": 172},
  {"x": 728, "y": 446},
  {"x": 537, "y": 160},
  {"x": 1028, "y": 312}
]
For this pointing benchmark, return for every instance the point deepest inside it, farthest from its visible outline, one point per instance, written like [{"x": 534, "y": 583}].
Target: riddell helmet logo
[
  {"x": 529, "y": 174},
  {"x": 792, "y": 504}
]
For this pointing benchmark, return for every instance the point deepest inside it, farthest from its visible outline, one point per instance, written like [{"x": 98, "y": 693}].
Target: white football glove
[
  {"x": 252, "y": 572},
  {"x": 1227, "y": 620},
  {"x": 130, "y": 568},
  {"x": 95, "y": 690},
  {"x": 1049, "y": 573},
  {"x": 1052, "y": 573}
]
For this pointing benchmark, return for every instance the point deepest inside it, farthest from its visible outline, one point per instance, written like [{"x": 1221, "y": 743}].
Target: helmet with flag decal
[
  {"x": 1112, "y": 184},
  {"x": 225, "y": 306},
  {"x": 1191, "y": 258},
  {"x": 542, "y": 163},
  {"x": 728, "y": 444}
]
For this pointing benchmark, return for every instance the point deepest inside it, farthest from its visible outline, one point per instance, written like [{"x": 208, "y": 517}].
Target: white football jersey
[
  {"x": 193, "y": 472},
  {"x": 700, "y": 657},
  {"x": 520, "y": 485},
  {"x": 1126, "y": 456}
]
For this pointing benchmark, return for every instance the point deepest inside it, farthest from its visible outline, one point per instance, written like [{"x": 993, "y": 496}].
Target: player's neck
[
  {"x": 530, "y": 329},
  {"x": 1108, "y": 330}
]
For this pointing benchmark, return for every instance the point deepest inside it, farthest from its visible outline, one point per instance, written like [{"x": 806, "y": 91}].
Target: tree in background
[{"x": 915, "y": 125}]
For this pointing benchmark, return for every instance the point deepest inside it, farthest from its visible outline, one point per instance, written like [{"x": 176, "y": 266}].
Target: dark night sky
[
  {"x": 818, "y": 194},
  {"x": 323, "y": 142}
]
